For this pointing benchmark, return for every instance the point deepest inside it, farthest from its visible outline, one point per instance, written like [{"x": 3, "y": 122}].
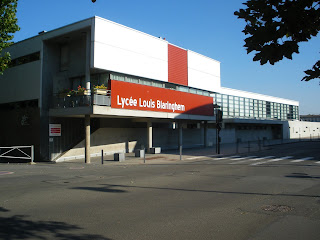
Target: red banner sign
[{"x": 134, "y": 96}]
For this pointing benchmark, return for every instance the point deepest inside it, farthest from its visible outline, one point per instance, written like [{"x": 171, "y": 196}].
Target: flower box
[
  {"x": 81, "y": 93},
  {"x": 100, "y": 91}
]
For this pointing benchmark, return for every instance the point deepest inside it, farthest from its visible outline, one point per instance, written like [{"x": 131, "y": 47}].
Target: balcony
[{"x": 73, "y": 101}]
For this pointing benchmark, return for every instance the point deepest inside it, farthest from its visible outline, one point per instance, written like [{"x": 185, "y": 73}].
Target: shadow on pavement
[
  {"x": 108, "y": 186},
  {"x": 302, "y": 175},
  {"x": 101, "y": 189},
  {"x": 18, "y": 227}
]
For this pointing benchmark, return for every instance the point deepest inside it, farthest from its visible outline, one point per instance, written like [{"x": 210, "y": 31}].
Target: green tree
[
  {"x": 276, "y": 27},
  {"x": 8, "y": 26}
]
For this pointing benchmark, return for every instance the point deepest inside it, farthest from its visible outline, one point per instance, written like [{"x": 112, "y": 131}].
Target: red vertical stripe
[{"x": 177, "y": 65}]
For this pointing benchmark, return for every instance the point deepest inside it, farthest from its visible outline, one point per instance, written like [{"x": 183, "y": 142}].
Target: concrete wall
[
  {"x": 168, "y": 138},
  {"x": 76, "y": 68},
  {"x": 21, "y": 83},
  {"x": 20, "y": 125},
  {"x": 228, "y": 135},
  {"x": 245, "y": 135},
  {"x": 300, "y": 129}
]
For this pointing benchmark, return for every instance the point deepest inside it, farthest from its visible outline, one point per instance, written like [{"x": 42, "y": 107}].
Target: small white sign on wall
[{"x": 54, "y": 130}]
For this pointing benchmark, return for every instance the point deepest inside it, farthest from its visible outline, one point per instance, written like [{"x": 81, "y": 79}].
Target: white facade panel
[
  {"x": 257, "y": 96},
  {"x": 203, "y": 72},
  {"x": 125, "y": 50}
]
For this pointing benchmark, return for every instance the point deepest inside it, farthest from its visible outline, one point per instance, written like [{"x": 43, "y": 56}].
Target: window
[
  {"x": 118, "y": 77},
  {"x": 170, "y": 86},
  {"x": 132, "y": 79},
  {"x": 199, "y": 92},
  {"x": 192, "y": 90},
  {"x": 183, "y": 89},
  {"x": 157, "y": 84},
  {"x": 104, "y": 78},
  {"x": 99, "y": 79},
  {"x": 145, "y": 82},
  {"x": 25, "y": 59}
]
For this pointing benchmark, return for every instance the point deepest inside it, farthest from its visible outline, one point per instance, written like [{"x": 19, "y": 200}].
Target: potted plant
[
  {"x": 100, "y": 90},
  {"x": 81, "y": 91},
  {"x": 72, "y": 93}
]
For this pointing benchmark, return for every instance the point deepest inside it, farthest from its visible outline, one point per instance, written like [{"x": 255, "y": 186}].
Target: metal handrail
[
  {"x": 19, "y": 148},
  {"x": 70, "y": 101}
]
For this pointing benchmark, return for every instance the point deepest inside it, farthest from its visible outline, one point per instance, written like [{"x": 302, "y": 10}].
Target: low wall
[{"x": 300, "y": 129}]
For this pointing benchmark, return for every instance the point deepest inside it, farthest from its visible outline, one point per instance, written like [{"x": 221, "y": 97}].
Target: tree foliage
[
  {"x": 276, "y": 27},
  {"x": 8, "y": 26}
]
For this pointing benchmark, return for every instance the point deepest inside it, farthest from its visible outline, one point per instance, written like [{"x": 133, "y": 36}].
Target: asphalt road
[{"x": 202, "y": 197}]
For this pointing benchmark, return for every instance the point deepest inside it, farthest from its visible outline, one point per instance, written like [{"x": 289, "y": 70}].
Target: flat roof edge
[
  {"x": 259, "y": 94},
  {"x": 45, "y": 34}
]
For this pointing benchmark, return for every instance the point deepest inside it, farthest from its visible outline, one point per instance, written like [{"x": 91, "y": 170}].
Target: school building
[{"x": 96, "y": 84}]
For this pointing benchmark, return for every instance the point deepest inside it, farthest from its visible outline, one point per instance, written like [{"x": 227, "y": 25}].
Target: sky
[{"x": 208, "y": 27}]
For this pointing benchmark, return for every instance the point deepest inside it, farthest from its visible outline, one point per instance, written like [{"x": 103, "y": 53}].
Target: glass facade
[{"x": 248, "y": 108}]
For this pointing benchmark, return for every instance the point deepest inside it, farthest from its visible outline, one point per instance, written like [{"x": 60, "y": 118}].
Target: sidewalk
[{"x": 167, "y": 156}]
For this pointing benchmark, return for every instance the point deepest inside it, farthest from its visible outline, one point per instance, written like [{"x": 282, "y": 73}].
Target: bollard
[
  {"x": 32, "y": 153},
  {"x": 180, "y": 152},
  {"x": 144, "y": 155},
  {"x": 102, "y": 156}
]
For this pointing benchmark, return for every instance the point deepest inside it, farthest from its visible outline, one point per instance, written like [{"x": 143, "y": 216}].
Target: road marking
[
  {"x": 5, "y": 173},
  {"x": 272, "y": 160},
  {"x": 318, "y": 162},
  {"x": 303, "y": 159},
  {"x": 75, "y": 168},
  {"x": 253, "y": 159},
  {"x": 191, "y": 158},
  {"x": 217, "y": 159},
  {"x": 241, "y": 158}
]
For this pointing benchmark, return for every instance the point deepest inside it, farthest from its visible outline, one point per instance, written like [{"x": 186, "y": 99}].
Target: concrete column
[
  {"x": 180, "y": 143},
  {"x": 205, "y": 134},
  {"x": 149, "y": 129},
  {"x": 87, "y": 65},
  {"x": 87, "y": 140}
]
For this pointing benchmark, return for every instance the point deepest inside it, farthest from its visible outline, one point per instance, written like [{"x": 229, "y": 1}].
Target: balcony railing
[{"x": 65, "y": 101}]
